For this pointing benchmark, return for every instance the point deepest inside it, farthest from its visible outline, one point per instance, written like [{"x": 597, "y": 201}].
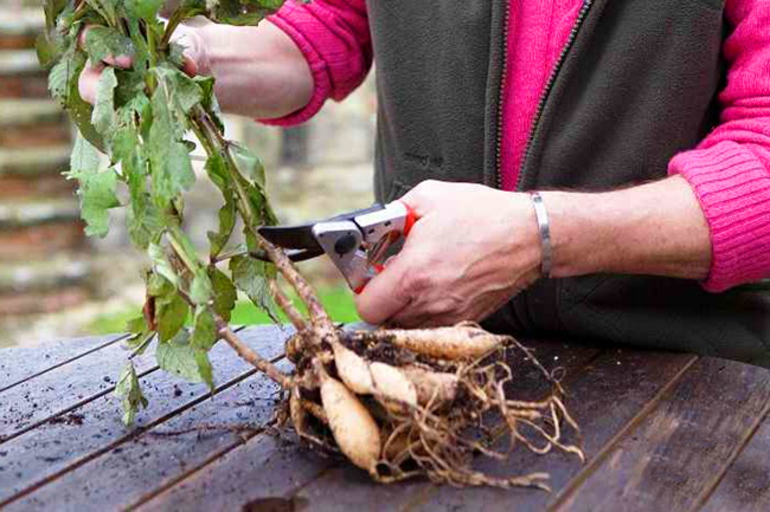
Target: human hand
[
  {"x": 189, "y": 36},
  {"x": 470, "y": 251}
]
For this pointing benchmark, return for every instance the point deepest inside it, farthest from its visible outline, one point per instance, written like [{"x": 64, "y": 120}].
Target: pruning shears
[{"x": 357, "y": 242}]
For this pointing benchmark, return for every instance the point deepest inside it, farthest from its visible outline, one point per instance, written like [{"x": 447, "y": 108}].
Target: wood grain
[
  {"x": 677, "y": 453},
  {"x": 746, "y": 485},
  {"x": 94, "y": 429},
  {"x": 22, "y": 363}
]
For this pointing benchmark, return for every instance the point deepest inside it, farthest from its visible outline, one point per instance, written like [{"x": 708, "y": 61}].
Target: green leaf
[
  {"x": 205, "y": 370},
  {"x": 251, "y": 277},
  {"x": 129, "y": 390},
  {"x": 182, "y": 90},
  {"x": 172, "y": 171},
  {"x": 146, "y": 9},
  {"x": 161, "y": 265},
  {"x": 200, "y": 288},
  {"x": 242, "y": 12},
  {"x": 171, "y": 316},
  {"x": 220, "y": 238},
  {"x": 96, "y": 188},
  {"x": 182, "y": 359},
  {"x": 204, "y": 333},
  {"x": 84, "y": 157},
  {"x": 105, "y": 42},
  {"x": 104, "y": 117},
  {"x": 63, "y": 85},
  {"x": 225, "y": 293},
  {"x": 158, "y": 286},
  {"x": 248, "y": 164}
]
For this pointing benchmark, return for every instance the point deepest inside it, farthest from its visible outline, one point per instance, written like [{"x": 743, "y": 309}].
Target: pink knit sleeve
[
  {"x": 333, "y": 35},
  {"x": 730, "y": 169}
]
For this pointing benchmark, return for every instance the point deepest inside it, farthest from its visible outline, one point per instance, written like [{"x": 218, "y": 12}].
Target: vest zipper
[
  {"x": 544, "y": 98},
  {"x": 503, "y": 79}
]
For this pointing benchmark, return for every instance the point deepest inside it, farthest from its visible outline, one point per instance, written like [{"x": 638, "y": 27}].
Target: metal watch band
[{"x": 545, "y": 232}]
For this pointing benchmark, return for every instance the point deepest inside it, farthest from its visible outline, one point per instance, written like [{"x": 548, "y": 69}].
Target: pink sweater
[{"x": 729, "y": 170}]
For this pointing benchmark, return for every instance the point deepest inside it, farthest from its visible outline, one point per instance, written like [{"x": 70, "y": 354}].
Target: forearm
[
  {"x": 259, "y": 71},
  {"x": 656, "y": 229}
]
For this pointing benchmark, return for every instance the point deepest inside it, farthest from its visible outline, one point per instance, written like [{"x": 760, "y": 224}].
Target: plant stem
[
  {"x": 286, "y": 305},
  {"x": 252, "y": 357}
]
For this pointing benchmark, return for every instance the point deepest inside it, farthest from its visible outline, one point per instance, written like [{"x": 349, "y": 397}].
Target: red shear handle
[{"x": 411, "y": 218}]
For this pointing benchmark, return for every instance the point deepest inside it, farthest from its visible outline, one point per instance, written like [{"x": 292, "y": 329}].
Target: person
[{"x": 643, "y": 126}]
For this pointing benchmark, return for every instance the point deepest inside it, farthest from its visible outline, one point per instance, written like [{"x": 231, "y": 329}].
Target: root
[{"x": 252, "y": 357}]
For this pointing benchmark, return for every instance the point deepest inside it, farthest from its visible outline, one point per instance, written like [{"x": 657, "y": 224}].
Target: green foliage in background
[{"x": 337, "y": 301}]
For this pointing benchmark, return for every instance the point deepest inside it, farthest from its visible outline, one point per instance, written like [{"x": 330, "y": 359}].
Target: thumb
[{"x": 195, "y": 56}]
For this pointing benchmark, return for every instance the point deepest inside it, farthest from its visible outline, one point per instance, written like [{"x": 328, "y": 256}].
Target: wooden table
[{"x": 663, "y": 432}]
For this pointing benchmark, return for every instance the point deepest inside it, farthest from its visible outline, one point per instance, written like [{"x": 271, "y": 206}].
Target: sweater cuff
[
  {"x": 288, "y": 18},
  {"x": 733, "y": 188}
]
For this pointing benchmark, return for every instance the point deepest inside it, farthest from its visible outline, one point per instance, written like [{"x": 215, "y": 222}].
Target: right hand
[{"x": 195, "y": 60}]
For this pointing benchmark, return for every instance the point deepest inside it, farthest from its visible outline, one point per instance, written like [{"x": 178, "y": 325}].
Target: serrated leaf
[
  {"x": 200, "y": 288},
  {"x": 96, "y": 188},
  {"x": 172, "y": 171},
  {"x": 158, "y": 286},
  {"x": 103, "y": 116},
  {"x": 251, "y": 277},
  {"x": 182, "y": 359},
  {"x": 171, "y": 316},
  {"x": 225, "y": 293},
  {"x": 84, "y": 157},
  {"x": 63, "y": 85},
  {"x": 130, "y": 391},
  {"x": 182, "y": 91},
  {"x": 204, "y": 333},
  {"x": 248, "y": 164},
  {"x": 136, "y": 325},
  {"x": 106, "y": 42}
]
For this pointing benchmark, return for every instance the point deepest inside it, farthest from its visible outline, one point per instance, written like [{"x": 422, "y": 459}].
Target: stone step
[
  {"x": 19, "y": 62},
  {"x": 19, "y": 213},
  {"x": 30, "y": 112},
  {"x": 62, "y": 270},
  {"x": 34, "y": 162},
  {"x": 20, "y": 26},
  {"x": 20, "y": 21}
]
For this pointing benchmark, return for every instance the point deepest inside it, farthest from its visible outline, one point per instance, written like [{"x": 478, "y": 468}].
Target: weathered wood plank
[
  {"x": 41, "y": 462},
  {"x": 746, "y": 485},
  {"x": 18, "y": 364},
  {"x": 679, "y": 451},
  {"x": 265, "y": 469},
  {"x": 603, "y": 397},
  {"x": 64, "y": 388}
]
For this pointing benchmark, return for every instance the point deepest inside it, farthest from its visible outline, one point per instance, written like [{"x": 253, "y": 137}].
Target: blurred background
[{"x": 56, "y": 283}]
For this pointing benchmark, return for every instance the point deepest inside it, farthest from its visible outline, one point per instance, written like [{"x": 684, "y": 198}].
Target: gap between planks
[
  {"x": 711, "y": 488},
  {"x": 87, "y": 400},
  {"x": 62, "y": 363},
  {"x": 597, "y": 461},
  {"x": 130, "y": 436}
]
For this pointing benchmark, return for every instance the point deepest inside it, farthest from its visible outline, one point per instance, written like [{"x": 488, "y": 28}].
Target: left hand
[{"x": 471, "y": 250}]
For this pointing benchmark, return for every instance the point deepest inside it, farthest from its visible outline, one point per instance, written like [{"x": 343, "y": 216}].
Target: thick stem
[
  {"x": 214, "y": 142},
  {"x": 287, "y": 306},
  {"x": 252, "y": 357}
]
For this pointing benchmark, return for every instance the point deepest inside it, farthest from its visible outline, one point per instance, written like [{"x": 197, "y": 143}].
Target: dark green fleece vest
[{"x": 638, "y": 84}]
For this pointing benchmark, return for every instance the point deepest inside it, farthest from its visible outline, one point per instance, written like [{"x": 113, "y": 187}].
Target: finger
[
  {"x": 384, "y": 295},
  {"x": 89, "y": 81}
]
